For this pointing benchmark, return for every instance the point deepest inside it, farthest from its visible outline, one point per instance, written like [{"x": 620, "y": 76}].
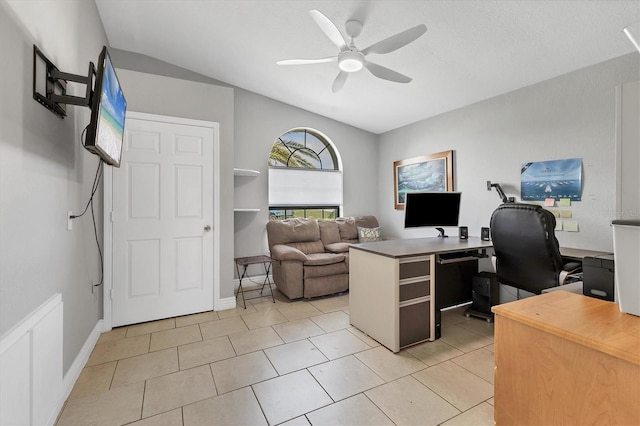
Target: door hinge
[
  {"x": 112, "y": 216},
  {"x": 111, "y": 293}
]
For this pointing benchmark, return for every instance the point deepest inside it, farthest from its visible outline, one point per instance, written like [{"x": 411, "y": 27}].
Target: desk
[
  {"x": 577, "y": 254},
  {"x": 564, "y": 358},
  {"x": 397, "y": 287},
  {"x": 253, "y": 260},
  {"x": 394, "y": 286}
]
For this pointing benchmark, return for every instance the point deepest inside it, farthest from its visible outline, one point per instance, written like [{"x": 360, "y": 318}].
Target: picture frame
[
  {"x": 433, "y": 172},
  {"x": 557, "y": 179}
]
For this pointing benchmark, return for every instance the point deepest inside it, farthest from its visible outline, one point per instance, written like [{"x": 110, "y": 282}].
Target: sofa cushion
[
  {"x": 329, "y": 231},
  {"x": 319, "y": 259},
  {"x": 366, "y": 235},
  {"x": 285, "y": 252},
  {"x": 337, "y": 247},
  {"x": 292, "y": 231},
  {"x": 309, "y": 247},
  {"x": 366, "y": 221},
  {"x": 348, "y": 228},
  {"x": 339, "y": 268}
]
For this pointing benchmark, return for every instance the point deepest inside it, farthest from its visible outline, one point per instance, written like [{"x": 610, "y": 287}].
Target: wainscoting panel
[
  {"x": 15, "y": 383},
  {"x": 31, "y": 367}
]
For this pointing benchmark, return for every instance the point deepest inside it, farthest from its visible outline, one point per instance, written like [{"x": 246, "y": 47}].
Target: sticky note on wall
[
  {"x": 565, "y": 214},
  {"x": 570, "y": 225},
  {"x": 558, "y": 225},
  {"x": 564, "y": 202}
]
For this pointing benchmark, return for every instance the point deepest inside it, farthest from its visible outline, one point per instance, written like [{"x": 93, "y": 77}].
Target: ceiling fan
[{"x": 351, "y": 59}]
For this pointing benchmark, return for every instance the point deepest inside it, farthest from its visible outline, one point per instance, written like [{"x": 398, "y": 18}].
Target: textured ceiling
[{"x": 473, "y": 49}]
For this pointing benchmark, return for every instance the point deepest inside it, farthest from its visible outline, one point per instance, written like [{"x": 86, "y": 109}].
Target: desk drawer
[
  {"x": 414, "y": 323},
  {"x": 414, "y": 267},
  {"x": 413, "y": 290}
]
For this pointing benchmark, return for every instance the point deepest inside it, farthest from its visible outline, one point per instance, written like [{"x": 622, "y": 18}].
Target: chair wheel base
[{"x": 477, "y": 314}]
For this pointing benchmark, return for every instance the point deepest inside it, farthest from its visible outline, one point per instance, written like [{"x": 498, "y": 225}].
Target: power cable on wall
[{"x": 94, "y": 189}]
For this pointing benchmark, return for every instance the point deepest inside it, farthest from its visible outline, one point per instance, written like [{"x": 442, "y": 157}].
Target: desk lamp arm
[{"x": 501, "y": 193}]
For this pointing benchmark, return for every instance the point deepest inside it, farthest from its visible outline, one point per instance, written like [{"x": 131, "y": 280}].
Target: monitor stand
[{"x": 442, "y": 234}]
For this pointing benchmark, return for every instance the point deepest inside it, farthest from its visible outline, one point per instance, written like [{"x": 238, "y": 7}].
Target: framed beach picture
[{"x": 432, "y": 172}]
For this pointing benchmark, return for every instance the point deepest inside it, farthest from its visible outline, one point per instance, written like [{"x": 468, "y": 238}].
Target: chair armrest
[
  {"x": 572, "y": 267},
  {"x": 569, "y": 269},
  {"x": 284, "y": 252}
]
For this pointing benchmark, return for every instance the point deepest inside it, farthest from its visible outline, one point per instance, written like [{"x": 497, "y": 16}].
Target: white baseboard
[
  {"x": 70, "y": 379},
  {"x": 226, "y": 303}
]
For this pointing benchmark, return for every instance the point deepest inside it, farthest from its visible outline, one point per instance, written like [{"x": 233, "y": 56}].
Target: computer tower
[
  {"x": 485, "y": 292},
  {"x": 598, "y": 277}
]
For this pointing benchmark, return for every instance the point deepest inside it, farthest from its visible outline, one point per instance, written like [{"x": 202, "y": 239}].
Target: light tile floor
[{"x": 290, "y": 362}]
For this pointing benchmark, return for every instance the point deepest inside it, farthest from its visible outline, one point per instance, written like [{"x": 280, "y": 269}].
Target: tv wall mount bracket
[{"x": 50, "y": 85}]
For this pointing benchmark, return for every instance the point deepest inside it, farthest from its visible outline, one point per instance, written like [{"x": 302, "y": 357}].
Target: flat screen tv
[
  {"x": 105, "y": 132},
  {"x": 435, "y": 209}
]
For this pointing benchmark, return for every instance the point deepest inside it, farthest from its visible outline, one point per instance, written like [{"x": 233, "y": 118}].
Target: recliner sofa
[{"x": 312, "y": 256}]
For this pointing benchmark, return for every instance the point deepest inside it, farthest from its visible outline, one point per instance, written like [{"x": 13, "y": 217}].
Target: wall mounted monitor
[{"x": 105, "y": 132}]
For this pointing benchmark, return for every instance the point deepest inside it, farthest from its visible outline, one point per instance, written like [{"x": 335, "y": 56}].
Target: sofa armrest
[{"x": 284, "y": 252}]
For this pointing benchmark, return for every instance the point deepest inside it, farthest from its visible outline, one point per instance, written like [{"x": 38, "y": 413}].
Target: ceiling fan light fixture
[{"x": 351, "y": 61}]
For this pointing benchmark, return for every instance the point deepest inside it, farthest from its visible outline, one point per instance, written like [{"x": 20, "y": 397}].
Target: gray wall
[
  {"x": 571, "y": 116},
  {"x": 628, "y": 152},
  {"x": 44, "y": 171},
  {"x": 259, "y": 121}
]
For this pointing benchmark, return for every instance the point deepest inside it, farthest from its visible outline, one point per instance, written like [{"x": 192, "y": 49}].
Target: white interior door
[{"x": 162, "y": 250}]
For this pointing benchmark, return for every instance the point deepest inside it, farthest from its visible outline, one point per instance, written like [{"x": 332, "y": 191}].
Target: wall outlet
[{"x": 69, "y": 220}]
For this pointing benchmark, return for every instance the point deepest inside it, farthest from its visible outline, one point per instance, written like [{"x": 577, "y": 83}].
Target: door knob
[{"x": 207, "y": 228}]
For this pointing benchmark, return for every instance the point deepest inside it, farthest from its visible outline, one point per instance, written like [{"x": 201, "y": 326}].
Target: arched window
[
  {"x": 303, "y": 149},
  {"x": 305, "y": 177}
]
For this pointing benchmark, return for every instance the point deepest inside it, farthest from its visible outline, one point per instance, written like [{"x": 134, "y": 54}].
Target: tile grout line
[{"x": 308, "y": 339}]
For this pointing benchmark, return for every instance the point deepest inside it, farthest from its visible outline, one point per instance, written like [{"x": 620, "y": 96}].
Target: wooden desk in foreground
[{"x": 564, "y": 358}]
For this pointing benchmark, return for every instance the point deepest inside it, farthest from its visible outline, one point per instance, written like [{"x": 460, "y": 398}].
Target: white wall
[
  {"x": 571, "y": 116},
  {"x": 44, "y": 171}
]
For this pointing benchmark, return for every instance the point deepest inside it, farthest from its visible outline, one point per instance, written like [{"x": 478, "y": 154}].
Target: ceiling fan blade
[
  {"x": 385, "y": 73},
  {"x": 329, "y": 29},
  {"x": 397, "y": 41},
  {"x": 307, "y": 61},
  {"x": 338, "y": 83}
]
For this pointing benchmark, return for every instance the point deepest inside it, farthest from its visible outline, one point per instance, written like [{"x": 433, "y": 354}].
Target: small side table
[{"x": 253, "y": 260}]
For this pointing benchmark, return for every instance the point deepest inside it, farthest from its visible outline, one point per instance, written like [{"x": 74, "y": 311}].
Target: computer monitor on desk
[{"x": 432, "y": 209}]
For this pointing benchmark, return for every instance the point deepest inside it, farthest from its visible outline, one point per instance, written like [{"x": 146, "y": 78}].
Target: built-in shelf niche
[
  {"x": 248, "y": 173},
  {"x": 245, "y": 172}
]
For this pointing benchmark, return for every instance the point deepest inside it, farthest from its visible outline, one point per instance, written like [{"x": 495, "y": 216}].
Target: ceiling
[{"x": 473, "y": 49}]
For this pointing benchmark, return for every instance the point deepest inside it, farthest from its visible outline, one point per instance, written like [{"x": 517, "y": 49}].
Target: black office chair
[{"x": 526, "y": 249}]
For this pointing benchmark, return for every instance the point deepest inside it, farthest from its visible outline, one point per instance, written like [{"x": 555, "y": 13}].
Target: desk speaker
[
  {"x": 463, "y": 233},
  {"x": 485, "y": 234}
]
